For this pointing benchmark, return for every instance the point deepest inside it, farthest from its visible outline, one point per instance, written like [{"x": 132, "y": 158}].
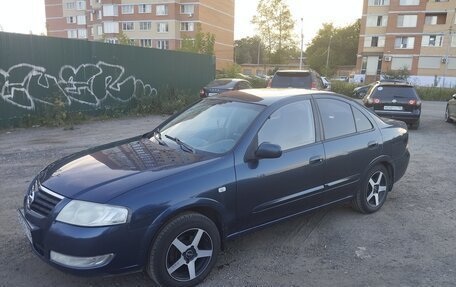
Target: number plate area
[
  {"x": 392, "y": 108},
  {"x": 24, "y": 224}
]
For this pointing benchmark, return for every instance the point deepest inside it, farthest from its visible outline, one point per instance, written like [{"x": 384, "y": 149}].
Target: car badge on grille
[
  {"x": 394, "y": 101},
  {"x": 31, "y": 196}
]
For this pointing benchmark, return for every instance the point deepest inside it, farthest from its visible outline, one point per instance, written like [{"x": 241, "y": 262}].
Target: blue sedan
[{"x": 165, "y": 202}]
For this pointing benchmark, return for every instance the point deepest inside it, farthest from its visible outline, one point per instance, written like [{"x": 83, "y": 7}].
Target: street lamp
[
  {"x": 302, "y": 43},
  {"x": 327, "y": 54}
]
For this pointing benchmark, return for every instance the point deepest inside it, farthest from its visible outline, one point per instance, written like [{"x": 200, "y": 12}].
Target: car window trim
[{"x": 356, "y": 126}]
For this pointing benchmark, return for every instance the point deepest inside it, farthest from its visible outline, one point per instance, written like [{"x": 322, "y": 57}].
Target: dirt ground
[{"x": 410, "y": 242}]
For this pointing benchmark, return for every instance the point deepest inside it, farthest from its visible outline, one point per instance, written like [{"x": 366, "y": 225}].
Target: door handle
[
  {"x": 372, "y": 144},
  {"x": 316, "y": 159}
]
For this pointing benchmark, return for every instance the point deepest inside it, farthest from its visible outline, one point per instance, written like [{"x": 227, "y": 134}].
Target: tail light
[
  {"x": 314, "y": 86},
  {"x": 202, "y": 94},
  {"x": 269, "y": 83},
  {"x": 414, "y": 103}
]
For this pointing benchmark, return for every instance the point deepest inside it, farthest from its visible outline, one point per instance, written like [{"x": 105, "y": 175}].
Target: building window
[
  {"x": 162, "y": 27},
  {"x": 72, "y": 34},
  {"x": 163, "y": 44},
  {"x": 364, "y": 65},
  {"x": 374, "y": 41},
  {"x": 128, "y": 26},
  {"x": 379, "y": 2},
  {"x": 429, "y": 62},
  {"x": 80, "y": 5},
  {"x": 91, "y": 16},
  {"x": 187, "y": 26},
  {"x": 162, "y": 10},
  {"x": 92, "y": 31},
  {"x": 128, "y": 9},
  {"x": 432, "y": 41},
  {"x": 453, "y": 41},
  {"x": 399, "y": 63},
  {"x": 111, "y": 27},
  {"x": 82, "y": 33},
  {"x": 70, "y": 5},
  {"x": 409, "y": 2},
  {"x": 144, "y": 8},
  {"x": 81, "y": 20},
  {"x": 187, "y": 9},
  {"x": 440, "y": 0},
  {"x": 100, "y": 30},
  {"x": 110, "y": 10},
  {"x": 99, "y": 14},
  {"x": 435, "y": 19},
  {"x": 404, "y": 43},
  {"x": 406, "y": 21},
  {"x": 131, "y": 42},
  {"x": 145, "y": 43},
  {"x": 71, "y": 19},
  {"x": 111, "y": 40},
  {"x": 377, "y": 21},
  {"x": 144, "y": 26}
]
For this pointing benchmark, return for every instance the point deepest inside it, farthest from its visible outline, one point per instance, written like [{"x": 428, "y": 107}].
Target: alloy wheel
[{"x": 376, "y": 189}]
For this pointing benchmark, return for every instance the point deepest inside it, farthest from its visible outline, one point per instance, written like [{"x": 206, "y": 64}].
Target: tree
[
  {"x": 203, "y": 43},
  {"x": 247, "y": 49},
  {"x": 343, "y": 50},
  {"x": 275, "y": 28},
  {"x": 123, "y": 39}
]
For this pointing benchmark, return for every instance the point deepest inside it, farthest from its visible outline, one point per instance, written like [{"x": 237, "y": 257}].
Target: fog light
[{"x": 81, "y": 262}]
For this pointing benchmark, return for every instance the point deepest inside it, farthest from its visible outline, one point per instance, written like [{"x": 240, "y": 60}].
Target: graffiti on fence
[{"x": 25, "y": 85}]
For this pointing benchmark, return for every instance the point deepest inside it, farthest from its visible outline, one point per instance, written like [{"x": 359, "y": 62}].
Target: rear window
[
  {"x": 221, "y": 84},
  {"x": 391, "y": 92},
  {"x": 292, "y": 80}
]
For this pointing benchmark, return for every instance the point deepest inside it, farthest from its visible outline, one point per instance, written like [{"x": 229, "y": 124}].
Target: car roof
[
  {"x": 401, "y": 84},
  {"x": 267, "y": 96},
  {"x": 294, "y": 71},
  {"x": 231, "y": 79}
]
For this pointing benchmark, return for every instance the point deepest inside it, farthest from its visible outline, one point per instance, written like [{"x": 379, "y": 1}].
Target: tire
[
  {"x": 447, "y": 115},
  {"x": 184, "y": 251},
  {"x": 415, "y": 125},
  {"x": 373, "y": 191}
]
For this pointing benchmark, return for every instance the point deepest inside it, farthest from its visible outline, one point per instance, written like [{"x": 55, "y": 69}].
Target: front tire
[
  {"x": 184, "y": 251},
  {"x": 373, "y": 192}
]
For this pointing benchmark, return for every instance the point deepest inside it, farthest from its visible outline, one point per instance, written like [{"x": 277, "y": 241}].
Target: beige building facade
[
  {"x": 419, "y": 35},
  {"x": 161, "y": 24}
]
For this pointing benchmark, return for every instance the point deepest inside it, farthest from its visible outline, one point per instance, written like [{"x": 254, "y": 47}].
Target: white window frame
[
  {"x": 437, "y": 41},
  {"x": 81, "y": 20},
  {"x": 378, "y": 2},
  {"x": 453, "y": 40},
  {"x": 409, "y": 2},
  {"x": 111, "y": 27},
  {"x": 185, "y": 7},
  {"x": 100, "y": 15},
  {"x": 100, "y": 30},
  {"x": 80, "y": 5},
  {"x": 372, "y": 21},
  {"x": 408, "y": 20},
  {"x": 187, "y": 26},
  {"x": 111, "y": 40},
  {"x": 127, "y": 9},
  {"x": 146, "y": 43},
  {"x": 110, "y": 10},
  {"x": 82, "y": 33},
  {"x": 163, "y": 44},
  {"x": 71, "y": 20},
  {"x": 128, "y": 26},
  {"x": 144, "y": 8},
  {"x": 72, "y": 34},
  {"x": 161, "y": 10},
  {"x": 145, "y": 26},
  {"x": 70, "y": 5},
  {"x": 162, "y": 27},
  {"x": 380, "y": 41},
  {"x": 410, "y": 43}
]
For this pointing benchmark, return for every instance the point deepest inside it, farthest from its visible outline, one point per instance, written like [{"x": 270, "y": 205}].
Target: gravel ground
[{"x": 410, "y": 242}]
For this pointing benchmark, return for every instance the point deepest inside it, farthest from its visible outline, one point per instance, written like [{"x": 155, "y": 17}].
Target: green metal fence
[{"x": 36, "y": 72}]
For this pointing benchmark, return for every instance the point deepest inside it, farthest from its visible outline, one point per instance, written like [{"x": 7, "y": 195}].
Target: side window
[
  {"x": 361, "y": 121},
  {"x": 337, "y": 118},
  {"x": 290, "y": 126},
  {"x": 243, "y": 85}
]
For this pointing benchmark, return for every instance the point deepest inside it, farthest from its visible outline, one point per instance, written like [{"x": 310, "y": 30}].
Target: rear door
[{"x": 351, "y": 142}]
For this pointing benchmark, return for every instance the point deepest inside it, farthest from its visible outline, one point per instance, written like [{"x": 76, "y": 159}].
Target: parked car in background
[
  {"x": 340, "y": 78},
  {"x": 450, "y": 111},
  {"x": 300, "y": 79},
  {"x": 360, "y": 92},
  {"x": 165, "y": 202},
  {"x": 218, "y": 86},
  {"x": 395, "y": 100},
  {"x": 326, "y": 83}
]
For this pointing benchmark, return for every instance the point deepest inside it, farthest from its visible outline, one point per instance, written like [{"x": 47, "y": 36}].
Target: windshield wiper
[
  {"x": 158, "y": 137},
  {"x": 183, "y": 145}
]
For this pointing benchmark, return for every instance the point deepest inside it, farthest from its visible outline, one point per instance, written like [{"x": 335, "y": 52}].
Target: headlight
[{"x": 85, "y": 213}]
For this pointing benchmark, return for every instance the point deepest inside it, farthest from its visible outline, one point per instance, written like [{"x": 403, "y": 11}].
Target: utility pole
[
  {"x": 302, "y": 43},
  {"x": 327, "y": 55},
  {"x": 259, "y": 50},
  {"x": 447, "y": 58}
]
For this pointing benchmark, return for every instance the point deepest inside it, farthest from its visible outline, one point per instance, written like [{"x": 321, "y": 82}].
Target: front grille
[{"x": 44, "y": 201}]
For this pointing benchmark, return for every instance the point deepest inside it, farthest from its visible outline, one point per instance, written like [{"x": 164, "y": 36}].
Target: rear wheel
[
  {"x": 184, "y": 251},
  {"x": 415, "y": 125},
  {"x": 373, "y": 191},
  {"x": 447, "y": 115}
]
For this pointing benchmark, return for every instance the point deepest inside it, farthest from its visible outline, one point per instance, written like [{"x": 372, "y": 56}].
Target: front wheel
[
  {"x": 373, "y": 191},
  {"x": 184, "y": 251}
]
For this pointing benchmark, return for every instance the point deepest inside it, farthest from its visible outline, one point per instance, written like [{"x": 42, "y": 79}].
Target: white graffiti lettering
[{"x": 25, "y": 85}]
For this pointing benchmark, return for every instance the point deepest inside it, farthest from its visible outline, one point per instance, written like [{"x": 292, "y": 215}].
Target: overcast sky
[{"x": 23, "y": 16}]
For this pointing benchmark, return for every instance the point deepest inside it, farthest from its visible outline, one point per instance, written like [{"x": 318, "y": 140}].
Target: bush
[{"x": 343, "y": 88}]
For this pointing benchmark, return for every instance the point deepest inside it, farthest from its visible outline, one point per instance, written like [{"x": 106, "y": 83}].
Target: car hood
[{"x": 103, "y": 173}]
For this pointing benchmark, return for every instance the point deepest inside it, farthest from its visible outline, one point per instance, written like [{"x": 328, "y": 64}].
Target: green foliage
[
  {"x": 231, "y": 71},
  {"x": 344, "y": 88},
  {"x": 203, "y": 43},
  {"x": 401, "y": 74},
  {"x": 275, "y": 25},
  {"x": 123, "y": 39},
  {"x": 344, "y": 47},
  {"x": 246, "y": 50}
]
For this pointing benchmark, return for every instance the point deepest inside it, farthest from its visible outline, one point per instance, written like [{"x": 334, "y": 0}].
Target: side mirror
[
  {"x": 268, "y": 150},
  {"x": 454, "y": 96}
]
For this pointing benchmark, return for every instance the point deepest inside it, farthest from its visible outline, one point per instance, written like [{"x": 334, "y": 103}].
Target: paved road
[{"x": 410, "y": 242}]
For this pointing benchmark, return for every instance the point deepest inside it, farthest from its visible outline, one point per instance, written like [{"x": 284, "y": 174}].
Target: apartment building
[
  {"x": 161, "y": 24},
  {"x": 419, "y": 35}
]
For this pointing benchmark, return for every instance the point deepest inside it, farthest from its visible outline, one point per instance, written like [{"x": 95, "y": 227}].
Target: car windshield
[
  {"x": 292, "y": 80},
  {"x": 212, "y": 125},
  {"x": 391, "y": 92}
]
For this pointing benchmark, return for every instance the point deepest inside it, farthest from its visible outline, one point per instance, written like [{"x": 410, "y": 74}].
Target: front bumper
[{"x": 123, "y": 245}]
